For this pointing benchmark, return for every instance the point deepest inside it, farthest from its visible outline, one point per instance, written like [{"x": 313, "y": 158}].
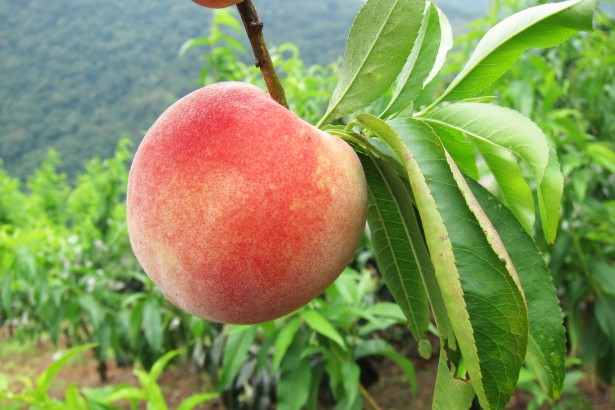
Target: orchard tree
[{"x": 242, "y": 212}]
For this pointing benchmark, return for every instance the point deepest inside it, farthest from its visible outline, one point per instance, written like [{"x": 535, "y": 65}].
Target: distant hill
[{"x": 76, "y": 75}]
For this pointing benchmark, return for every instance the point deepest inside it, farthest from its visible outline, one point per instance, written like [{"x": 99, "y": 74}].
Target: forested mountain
[{"x": 76, "y": 75}]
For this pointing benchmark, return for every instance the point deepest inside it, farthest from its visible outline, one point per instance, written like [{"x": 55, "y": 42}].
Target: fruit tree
[{"x": 242, "y": 212}]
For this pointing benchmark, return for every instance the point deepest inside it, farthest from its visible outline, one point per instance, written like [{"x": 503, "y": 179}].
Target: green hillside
[{"x": 76, "y": 75}]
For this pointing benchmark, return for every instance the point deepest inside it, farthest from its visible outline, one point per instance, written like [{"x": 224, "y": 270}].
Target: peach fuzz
[
  {"x": 216, "y": 4},
  {"x": 240, "y": 211}
]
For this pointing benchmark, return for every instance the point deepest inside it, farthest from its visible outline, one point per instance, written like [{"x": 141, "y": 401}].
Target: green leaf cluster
[
  {"x": 66, "y": 267},
  {"x": 574, "y": 104},
  {"x": 444, "y": 243},
  {"x": 321, "y": 347},
  {"x": 35, "y": 394},
  {"x": 68, "y": 272}
]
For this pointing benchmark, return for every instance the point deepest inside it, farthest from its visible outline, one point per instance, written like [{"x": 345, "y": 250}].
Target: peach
[
  {"x": 216, "y": 4},
  {"x": 240, "y": 211}
]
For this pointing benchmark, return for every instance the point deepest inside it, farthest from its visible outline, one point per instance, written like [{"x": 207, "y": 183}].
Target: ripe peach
[
  {"x": 216, "y": 4},
  {"x": 240, "y": 211}
]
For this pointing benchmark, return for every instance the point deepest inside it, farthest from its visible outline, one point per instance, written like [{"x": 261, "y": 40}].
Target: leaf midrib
[{"x": 398, "y": 269}]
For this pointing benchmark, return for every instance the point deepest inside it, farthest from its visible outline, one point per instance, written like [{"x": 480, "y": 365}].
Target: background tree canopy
[{"x": 79, "y": 74}]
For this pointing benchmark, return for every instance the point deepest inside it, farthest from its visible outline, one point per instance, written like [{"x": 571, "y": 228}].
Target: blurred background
[
  {"x": 77, "y": 75},
  {"x": 81, "y": 81}
]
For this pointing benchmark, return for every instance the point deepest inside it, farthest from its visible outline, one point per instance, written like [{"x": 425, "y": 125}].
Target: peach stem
[{"x": 254, "y": 29}]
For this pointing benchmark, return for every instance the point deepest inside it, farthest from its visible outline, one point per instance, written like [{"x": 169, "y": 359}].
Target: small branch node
[{"x": 257, "y": 26}]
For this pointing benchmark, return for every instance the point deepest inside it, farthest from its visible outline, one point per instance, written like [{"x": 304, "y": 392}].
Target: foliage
[
  {"x": 67, "y": 267},
  {"x": 488, "y": 288},
  {"x": 586, "y": 273},
  {"x": 531, "y": 379},
  {"x": 574, "y": 105},
  {"x": 69, "y": 271},
  {"x": 324, "y": 348},
  {"x": 447, "y": 248},
  {"x": 35, "y": 394}
]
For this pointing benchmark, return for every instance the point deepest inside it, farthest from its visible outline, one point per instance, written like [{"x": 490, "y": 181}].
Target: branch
[
  {"x": 254, "y": 29},
  {"x": 369, "y": 398}
]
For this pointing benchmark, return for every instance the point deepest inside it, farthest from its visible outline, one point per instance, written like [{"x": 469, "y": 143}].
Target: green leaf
[
  {"x": 283, "y": 341},
  {"x": 450, "y": 392},
  {"x": 483, "y": 300},
  {"x": 239, "y": 340},
  {"x": 604, "y": 310},
  {"x": 73, "y": 399},
  {"x": 6, "y": 294},
  {"x": 418, "y": 245},
  {"x": 515, "y": 191},
  {"x": 150, "y": 389},
  {"x": 161, "y": 363},
  {"x": 603, "y": 154},
  {"x": 380, "y": 40},
  {"x": 446, "y": 44},
  {"x": 93, "y": 309},
  {"x": 433, "y": 42},
  {"x": 293, "y": 389},
  {"x": 550, "y": 194},
  {"x": 43, "y": 381},
  {"x": 498, "y": 126},
  {"x": 547, "y": 339},
  {"x": 321, "y": 325},
  {"x": 4, "y": 382},
  {"x": 119, "y": 393},
  {"x": 223, "y": 17},
  {"x": 136, "y": 320},
  {"x": 350, "y": 383},
  {"x": 494, "y": 130},
  {"x": 266, "y": 345},
  {"x": 388, "y": 201},
  {"x": 457, "y": 145},
  {"x": 152, "y": 324},
  {"x": 379, "y": 347},
  {"x": 387, "y": 310},
  {"x": 346, "y": 286},
  {"x": 192, "y": 401},
  {"x": 192, "y": 43},
  {"x": 425, "y": 349},
  {"x": 231, "y": 43},
  {"x": 318, "y": 371},
  {"x": 603, "y": 274},
  {"x": 542, "y": 26}
]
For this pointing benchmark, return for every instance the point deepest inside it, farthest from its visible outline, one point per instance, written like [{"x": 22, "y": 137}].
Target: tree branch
[
  {"x": 254, "y": 29},
  {"x": 372, "y": 402}
]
